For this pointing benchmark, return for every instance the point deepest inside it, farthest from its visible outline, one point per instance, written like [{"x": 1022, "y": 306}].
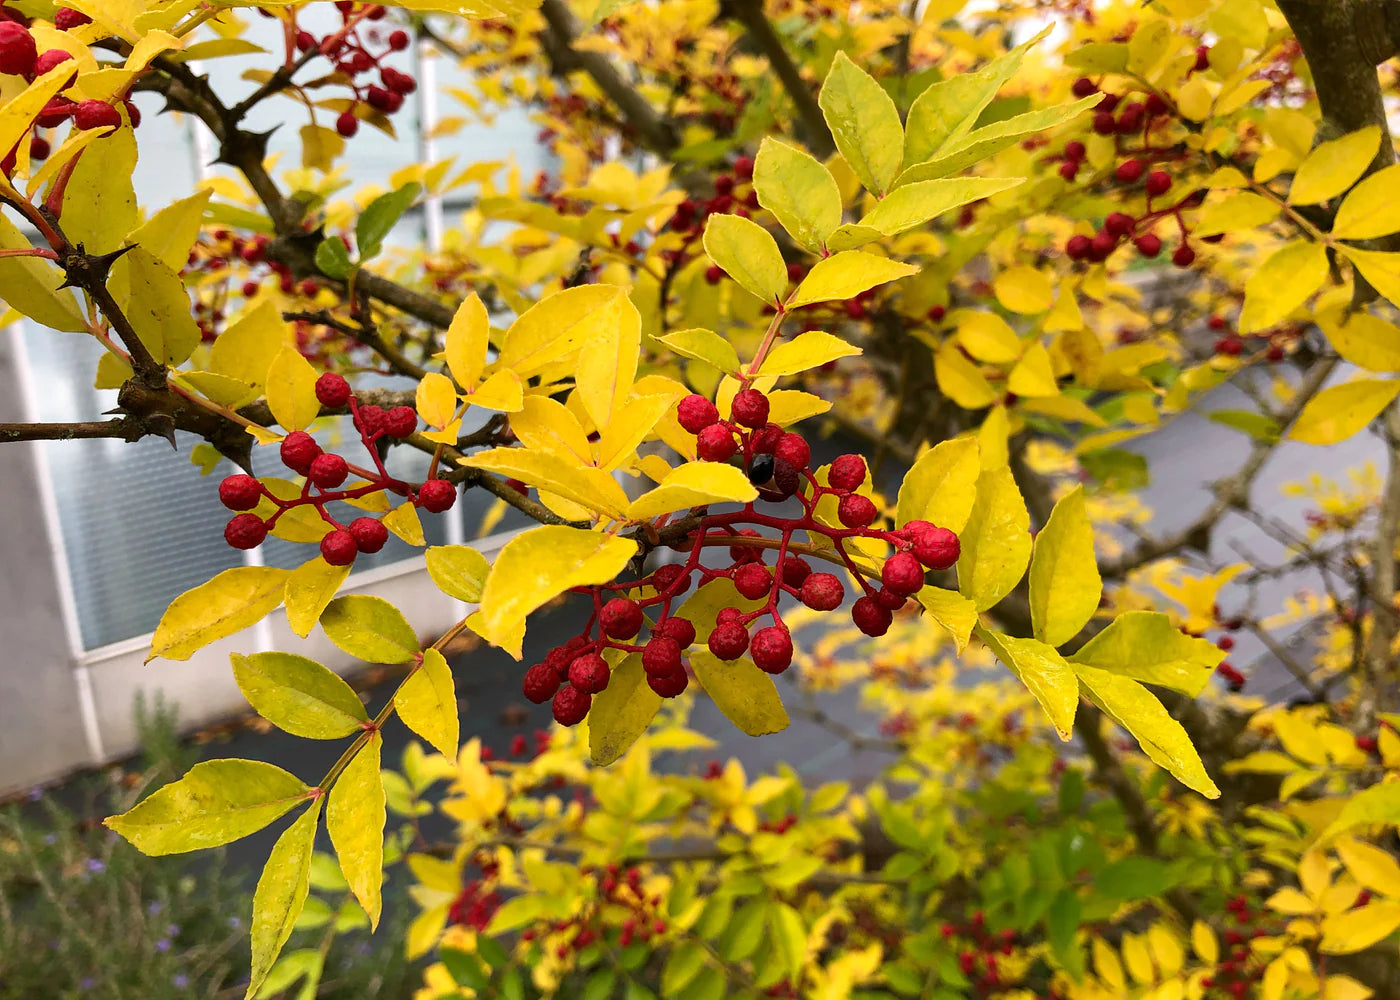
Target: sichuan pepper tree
[{"x": 954, "y": 247}]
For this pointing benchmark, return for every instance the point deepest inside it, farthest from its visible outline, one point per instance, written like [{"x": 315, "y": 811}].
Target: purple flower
[
  {"x": 36, "y": 793},
  {"x": 172, "y": 930},
  {"x": 154, "y": 908},
  {"x": 163, "y": 945},
  {"x": 87, "y": 983},
  {"x": 96, "y": 866},
  {"x": 181, "y": 981},
  {"x": 235, "y": 923},
  {"x": 50, "y": 839}
]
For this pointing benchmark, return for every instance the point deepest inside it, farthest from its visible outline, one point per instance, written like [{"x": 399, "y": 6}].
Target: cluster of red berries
[
  {"x": 477, "y": 903},
  {"x": 325, "y": 472},
  {"x": 20, "y": 56},
  {"x": 1227, "y": 672},
  {"x": 778, "y": 463},
  {"x": 617, "y": 888},
  {"x": 978, "y": 961},
  {"x": 733, "y": 194},
  {"x": 1239, "y": 971},
  {"x": 1233, "y": 345}
]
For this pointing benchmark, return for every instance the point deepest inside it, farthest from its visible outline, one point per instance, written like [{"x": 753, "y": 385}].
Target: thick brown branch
[
  {"x": 750, "y": 14},
  {"x": 117, "y": 427}
]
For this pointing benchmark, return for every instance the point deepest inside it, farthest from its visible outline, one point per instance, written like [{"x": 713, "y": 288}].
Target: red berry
[
  {"x": 339, "y": 548},
  {"x": 305, "y": 41},
  {"x": 620, "y": 618},
  {"x": 240, "y": 492},
  {"x": 729, "y": 640},
  {"x": 347, "y": 124},
  {"x": 1148, "y": 244},
  {"x": 1156, "y": 105},
  {"x": 668, "y": 685},
  {"x": 250, "y": 288},
  {"x": 796, "y": 272},
  {"x": 299, "y": 449},
  {"x": 1074, "y": 149},
  {"x": 750, "y": 408},
  {"x": 1231, "y": 345},
  {"x": 903, "y": 574},
  {"x": 743, "y": 168},
  {"x": 1102, "y": 245},
  {"x": 589, "y": 673},
  {"x": 1119, "y": 223},
  {"x": 728, "y": 615},
  {"x": 889, "y": 600},
  {"x": 661, "y": 656},
  {"x": 1129, "y": 171},
  {"x": 936, "y": 314},
  {"x": 793, "y": 449},
  {"x": 713, "y": 274},
  {"x": 17, "y": 49},
  {"x": 370, "y": 420},
  {"x": 369, "y": 534},
  {"x": 559, "y": 658},
  {"x": 66, "y": 18},
  {"x": 398, "y": 83},
  {"x": 745, "y": 553},
  {"x": 846, "y": 473},
  {"x": 437, "y": 495},
  {"x": 772, "y": 649},
  {"x": 716, "y": 443},
  {"x": 870, "y": 617},
  {"x": 695, "y": 413},
  {"x": 1184, "y": 256},
  {"x": 245, "y": 531},
  {"x": 752, "y": 580},
  {"x": 1217, "y": 322},
  {"x": 332, "y": 390},
  {"x": 669, "y": 578},
  {"x": 56, "y": 112},
  {"x": 765, "y": 439},
  {"x": 1275, "y": 352},
  {"x": 937, "y": 548},
  {"x": 724, "y": 184},
  {"x": 1225, "y": 642},
  {"x": 1130, "y": 118},
  {"x": 51, "y": 58},
  {"x": 540, "y": 683},
  {"x": 1159, "y": 182},
  {"x": 856, "y": 511},
  {"x": 1202, "y": 57},
  {"x": 95, "y": 114},
  {"x": 1077, "y": 247},
  {"x": 398, "y": 40},
  {"x": 400, "y": 421},
  {"x": 822, "y": 592},
  {"x": 1069, "y": 169},
  {"x": 328, "y": 471},
  {"x": 1104, "y": 123},
  {"x": 794, "y": 570},
  {"x": 680, "y": 629},
  {"x": 1083, "y": 87},
  {"x": 571, "y": 706}
]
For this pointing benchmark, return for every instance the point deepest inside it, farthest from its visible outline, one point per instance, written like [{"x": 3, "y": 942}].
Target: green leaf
[
  {"x": 1378, "y": 805},
  {"x": 996, "y": 543},
  {"x": 799, "y": 191},
  {"x": 459, "y": 571},
  {"x": 355, "y": 818},
  {"x": 229, "y": 603},
  {"x": 1116, "y": 468},
  {"x": 788, "y": 937},
  {"x": 746, "y": 695},
  {"x": 1065, "y": 586},
  {"x": 1138, "y": 711},
  {"x": 281, "y": 893},
  {"x": 914, "y": 204},
  {"x": 333, "y": 259},
  {"x": 1339, "y": 411},
  {"x": 847, "y": 274},
  {"x": 941, "y": 486},
  {"x": 621, "y": 712},
  {"x": 299, "y": 695},
  {"x": 377, "y": 219},
  {"x": 1256, "y": 425},
  {"x": 369, "y": 628},
  {"x": 1282, "y": 283},
  {"x": 427, "y": 703},
  {"x": 746, "y": 252},
  {"x": 682, "y": 965},
  {"x": 464, "y": 968},
  {"x": 1043, "y": 671},
  {"x": 1133, "y": 878},
  {"x": 981, "y": 143},
  {"x": 1147, "y": 647},
  {"x": 864, "y": 122},
  {"x": 704, "y": 345},
  {"x": 216, "y": 802}
]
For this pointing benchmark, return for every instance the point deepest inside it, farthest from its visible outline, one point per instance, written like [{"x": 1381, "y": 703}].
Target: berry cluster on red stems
[
  {"x": 1273, "y": 344},
  {"x": 979, "y": 951},
  {"x": 778, "y": 463},
  {"x": 1239, "y": 971},
  {"x": 325, "y": 473}
]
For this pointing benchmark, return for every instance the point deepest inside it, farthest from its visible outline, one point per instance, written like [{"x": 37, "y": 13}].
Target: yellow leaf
[
  {"x": 621, "y": 712},
  {"x": 845, "y": 275},
  {"x": 1334, "y": 166},
  {"x": 155, "y": 301},
  {"x": 502, "y": 391},
  {"x": 1382, "y": 270},
  {"x": 17, "y": 114},
  {"x": 1283, "y": 283},
  {"x": 553, "y": 329},
  {"x": 864, "y": 122},
  {"x": 1372, "y": 867},
  {"x": 404, "y": 522},
  {"x": 1043, "y": 671},
  {"x": 809, "y": 349},
  {"x": 468, "y": 338},
  {"x": 169, "y": 234},
  {"x": 607, "y": 366},
  {"x": 996, "y": 542},
  {"x": 281, "y": 893},
  {"x": 1033, "y": 375},
  {"x": 1136, "y": 957},
  {"x": 632, "y": 424},
  {"x": 961, "y": 381},
  {"x": 988, "y": 337},
  {"x": 355, "y": 815},
  {"x": 590, "y": 487},
  {"x": 320, "y": 146},
  {"x": 1204, "y": 943},
  {"x": 1108, "y": 967},
  {"x": 915, "y": 204},
  {"x": 1167, "y": 950},
  {"x": 1358, "y": 929},
  {"x": 1024, "y": 290},
  {"x": 692, "y": 485},
  {"x": 1237, "y": 210},
  {"x": 941, "y": 486},
  {"x": 746, "y": 695},
  {"x": 1065, "y": 586},
  {"x": 1370, "y": 209},
  {"x": 229, "y": 603},
  {"x": 219, "y": 388},
  {"x": 99, "y": 204},
  {"x": 706, "y": 346},
  {"x": 1138, "y": 711},
  {"x": 246, "y": 349},
  {"x": 310, "y": 587},
  {"x": 746, "y": 252},
  {"x": 299, "y": 695},
  {"x": 427, "y": 703},
  {"x": 291, "y": 390},
  {"x": 1147, "y": 647},
  {"x": 1345, "y": 988},
  {"x": 790, "y": 406},
  {"x": 1365, "y": 340},
  {"x": 1338, "y": 412},
  {"x": 798, "y": 190},
  {"x": 993, "y": 437},
  {"x": 538, "y": 565},
  {"x": 436, "y": 399},
  {"x": 545, "y": 424},
  {"x": 951, "y": 610},
  {"x": 30, "y": 285}
]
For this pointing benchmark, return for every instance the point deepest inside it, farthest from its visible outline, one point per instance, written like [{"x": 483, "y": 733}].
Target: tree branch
[
  {"x": 117, "y": 427},
  {"x": 817, "y": 136}
]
